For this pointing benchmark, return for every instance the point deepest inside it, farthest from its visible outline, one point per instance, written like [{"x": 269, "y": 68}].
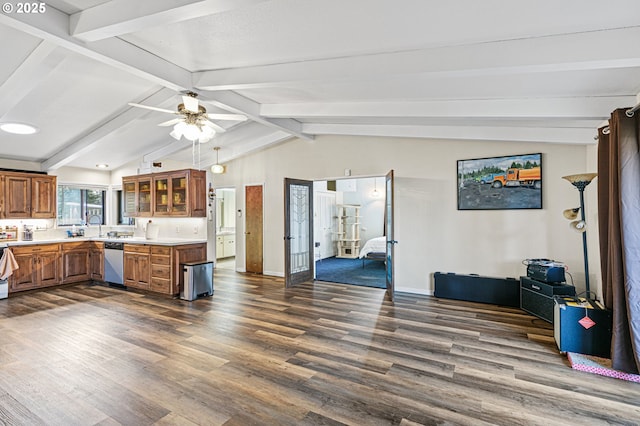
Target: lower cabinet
[
  {"x": 225, "y": 246},
  {"x": 161, "y": 269},
  {"x": 38, "y": 266},
  {"x": 137, "y": 266},
  {"x": 96, "y": 257},
  {"x": 76, "y": 262}
]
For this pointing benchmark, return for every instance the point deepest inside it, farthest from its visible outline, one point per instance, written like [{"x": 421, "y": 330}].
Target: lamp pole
[
  {"x": 581, "y": 181},
  {"x": 581, "y": 186}
]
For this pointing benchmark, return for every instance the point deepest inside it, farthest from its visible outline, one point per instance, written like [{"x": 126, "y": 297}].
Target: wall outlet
[{"x": 177, "y": 229}]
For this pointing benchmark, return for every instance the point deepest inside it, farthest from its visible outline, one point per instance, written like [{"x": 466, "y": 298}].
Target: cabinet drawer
[
  {"x": 136, "y": 248},
  {"x": 76, "y": 245},
  {"x": 160, "y": 271},
  {"x": 160, "y": 260},
  {"x": 39, "y": 248},
  {"x": 161, "y": 285},
  {"x": 161, "y": 250}
]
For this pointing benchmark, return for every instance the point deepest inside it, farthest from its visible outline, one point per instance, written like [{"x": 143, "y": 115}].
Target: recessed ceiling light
[
  {"x": 102, "y": 166},
  {"x": 18, "y": 128}
]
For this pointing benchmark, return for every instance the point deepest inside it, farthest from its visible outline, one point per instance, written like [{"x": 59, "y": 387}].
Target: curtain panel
[{"x": 619, "y": 232}]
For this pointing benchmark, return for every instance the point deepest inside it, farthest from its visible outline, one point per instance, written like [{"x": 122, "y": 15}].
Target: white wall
[{"x": 433, "y": 235}]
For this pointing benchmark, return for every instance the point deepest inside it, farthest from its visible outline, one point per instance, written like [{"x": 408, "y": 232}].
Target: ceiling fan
[{"x": 194, "y": 122}]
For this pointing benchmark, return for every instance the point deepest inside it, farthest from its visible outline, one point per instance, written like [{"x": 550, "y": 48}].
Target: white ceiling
[{"x": 513, "y": 70}]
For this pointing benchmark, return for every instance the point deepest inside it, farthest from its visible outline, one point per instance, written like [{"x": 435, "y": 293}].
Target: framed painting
[{"x": 499, "y": 183}]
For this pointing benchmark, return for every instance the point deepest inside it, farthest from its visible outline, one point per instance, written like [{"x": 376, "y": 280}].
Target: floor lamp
[{"x": 581, "y": 181}]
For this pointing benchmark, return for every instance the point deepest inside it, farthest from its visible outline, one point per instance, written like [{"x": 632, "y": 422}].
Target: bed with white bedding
[{"x": 374, "y": 249}]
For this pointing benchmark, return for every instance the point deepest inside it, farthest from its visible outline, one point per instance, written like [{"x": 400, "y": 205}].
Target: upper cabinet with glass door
[
  {"x": 137, "y": 195},
  {"x": 180, "y": 193}
]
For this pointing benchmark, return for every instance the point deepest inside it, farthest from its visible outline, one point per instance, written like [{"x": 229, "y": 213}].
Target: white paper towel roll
[{"x": 152, "y": 231}]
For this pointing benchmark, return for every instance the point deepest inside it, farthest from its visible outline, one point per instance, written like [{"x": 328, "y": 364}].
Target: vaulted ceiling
[{"x": 510, "y": 70}]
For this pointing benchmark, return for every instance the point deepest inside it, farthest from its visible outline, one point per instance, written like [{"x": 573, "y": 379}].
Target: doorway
[
  {"x": 226, "y": 228},
  {"x": 349, "y": 231}
]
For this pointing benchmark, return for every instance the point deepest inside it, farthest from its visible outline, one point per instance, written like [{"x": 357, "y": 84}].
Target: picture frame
[{"x": 500, "y": 183}]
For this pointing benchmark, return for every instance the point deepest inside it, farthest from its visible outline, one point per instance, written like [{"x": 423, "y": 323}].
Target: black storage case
[
  {"x": 571, "y": 336},
  {"x": 474, "y": 288},
  {"x": 536, "y": 297}
]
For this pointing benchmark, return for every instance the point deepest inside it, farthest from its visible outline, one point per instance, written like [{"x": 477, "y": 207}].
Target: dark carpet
[{"x": 350, "y": 271}]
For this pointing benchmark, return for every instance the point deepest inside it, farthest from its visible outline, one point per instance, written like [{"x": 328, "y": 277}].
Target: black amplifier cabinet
[
  {"x": 536, "y": 297},
  {"x": 474, "y": 288},
  {"x": 575, "y": 333}
]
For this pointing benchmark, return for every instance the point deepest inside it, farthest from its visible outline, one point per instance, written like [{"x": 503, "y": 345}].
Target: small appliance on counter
[
  {"x": 27, "y": 233},
  {"x": 196, "y": 280}
]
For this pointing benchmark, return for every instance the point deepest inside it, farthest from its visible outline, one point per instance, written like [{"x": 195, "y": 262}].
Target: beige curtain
[{"x": 619, "y": 231}]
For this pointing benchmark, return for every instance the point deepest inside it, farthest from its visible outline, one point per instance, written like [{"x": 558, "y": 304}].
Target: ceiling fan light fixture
[{"x": 19, "y": 128}]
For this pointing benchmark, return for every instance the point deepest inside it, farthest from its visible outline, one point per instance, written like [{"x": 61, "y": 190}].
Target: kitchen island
[{"x": 151, "y": 265}]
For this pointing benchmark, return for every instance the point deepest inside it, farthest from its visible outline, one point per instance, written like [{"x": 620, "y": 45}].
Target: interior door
[
  {"x": 391, "y": 242},
  {"x": 253, "y": 229},
  {"x": 298, "y": 231},
  {"x": 324, "y": 224}
]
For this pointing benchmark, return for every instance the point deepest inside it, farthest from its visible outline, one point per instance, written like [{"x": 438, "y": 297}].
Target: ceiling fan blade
[
  {"x": 235, "y": 117},
  {"x": 152, "y": 108},
  {"x": 171, "y": 122},
  {"x": 214, "y": 126},
  {"x": 190, "y": 103}
]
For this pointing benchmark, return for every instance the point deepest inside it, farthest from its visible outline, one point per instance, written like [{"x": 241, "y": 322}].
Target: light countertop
[{"x": 127, "y": 240}]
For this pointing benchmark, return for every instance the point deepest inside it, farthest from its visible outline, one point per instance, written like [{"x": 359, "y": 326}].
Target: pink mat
[{"x": 601, "y": 366}]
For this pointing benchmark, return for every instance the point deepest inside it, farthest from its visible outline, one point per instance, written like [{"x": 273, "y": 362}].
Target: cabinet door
[
  {"x": 75, "y": 265},
  {"x": 130, "y": 197},
  {"x": 43, "y": 197},
  {"x": 219, "y": 247},
  {"x": 162, "y": 195},
  {"x": 143, "y": 271},
  {"x": 129, "y": 269},
  {"x": 145, "y": 196},
  {"x": 17, "y": 196},
  {"x": 24, "y": 278},
  {"x": 229, "y": 245},
  {"x": 197, "y": 195},
  {"x": 97, "y": 264},
  {"x": 179, "y": 194},
  {"x": 47, "y": 270}
]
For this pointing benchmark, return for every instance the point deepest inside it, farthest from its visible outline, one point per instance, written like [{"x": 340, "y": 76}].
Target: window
[{"x": 78, "y": 206}]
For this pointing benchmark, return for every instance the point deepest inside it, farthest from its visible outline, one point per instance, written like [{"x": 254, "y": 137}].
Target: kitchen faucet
[{"x": 99, "y": 224}]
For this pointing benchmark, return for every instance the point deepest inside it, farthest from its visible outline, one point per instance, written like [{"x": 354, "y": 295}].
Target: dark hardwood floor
[{"x": 257, "y": 354}]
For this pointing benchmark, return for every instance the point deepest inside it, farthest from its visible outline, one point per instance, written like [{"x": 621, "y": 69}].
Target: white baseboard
[
  {"x": 421, "y": 291},
  {"x": 273, "y": 274}
]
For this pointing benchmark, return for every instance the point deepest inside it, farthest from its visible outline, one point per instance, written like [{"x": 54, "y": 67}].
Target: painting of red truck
[{"x": 496, "y": 183}]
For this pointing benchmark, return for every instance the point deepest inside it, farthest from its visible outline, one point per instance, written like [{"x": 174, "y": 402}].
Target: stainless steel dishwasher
[{"x": 114, "y": 263}]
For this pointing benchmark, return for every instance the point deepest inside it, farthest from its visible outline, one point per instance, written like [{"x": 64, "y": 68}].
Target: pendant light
[{"x": 217, "y": 168}]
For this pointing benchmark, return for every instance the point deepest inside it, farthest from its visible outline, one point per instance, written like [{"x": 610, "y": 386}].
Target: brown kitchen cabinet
[
  {"x": 161, "y": 269},
  {"x": 138, "y": 196},
  {"x": 179, "y": 193},
  {"x": 38, "y": 266},
  {"x": 76, "y": 263},
  {"x": 28, "y": 195},
  {"x": 96, "y": 261},
  {"x": 137, "y": 266}
]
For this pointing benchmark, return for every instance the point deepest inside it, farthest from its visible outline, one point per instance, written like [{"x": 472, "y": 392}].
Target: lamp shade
[
  {"x": 217, "y": 169},
  {"x": 571, "y": 214},
  {"x": 580, "y": 177},
  {"x": 578, "y": 225}
]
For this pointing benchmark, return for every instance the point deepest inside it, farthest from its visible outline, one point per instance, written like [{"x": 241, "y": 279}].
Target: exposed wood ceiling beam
[
  {"x": 587, "y": 108},
  {"x": 35, "y": 68},
  {"x": 239, "y": 104},
  {"x": 53, "y": 26},
  {"x": 118, "y": 17},
  {"x": 583, "y": 51},
  {"x": 112, "y": 124},
  {"x": 485, "y": 133}
]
